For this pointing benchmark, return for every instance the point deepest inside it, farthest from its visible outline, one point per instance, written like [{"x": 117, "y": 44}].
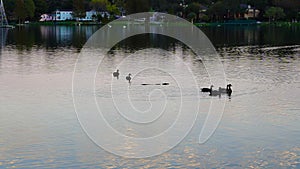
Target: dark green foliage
[
  {"x": 274, "y": 13},
  {"x": 78, "y": 9},
  {"x": 136, "y": 6},
  {"x": 40, "y": 8},
  {"x": 215, "y": 10},
  {"x": 24, "y": 9}
]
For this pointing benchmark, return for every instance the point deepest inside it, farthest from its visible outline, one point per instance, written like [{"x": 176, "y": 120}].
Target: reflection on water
[
  {"x": 49, "y": 37},
  {"x": 260, "y": 126},
  {"x": 52, "y": 37},
  {"x": 253, "y": 35},
  {"x": 3, "y": 36}
]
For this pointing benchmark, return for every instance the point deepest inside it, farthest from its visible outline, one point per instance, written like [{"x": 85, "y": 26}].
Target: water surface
[{"x": 260, "y": 125}]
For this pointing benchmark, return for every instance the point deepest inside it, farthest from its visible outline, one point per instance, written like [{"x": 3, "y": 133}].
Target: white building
[
  {"x": 46, "y": 17},
  {"x": 63, "y": 15},
  {"x": 251, "y": 13},
  {"x": 68, "y": 15},
  {"x": 89, "y": 16}
]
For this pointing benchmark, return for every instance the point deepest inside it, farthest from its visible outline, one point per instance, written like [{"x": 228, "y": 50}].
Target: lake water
[{"x": 259, "y": 128}]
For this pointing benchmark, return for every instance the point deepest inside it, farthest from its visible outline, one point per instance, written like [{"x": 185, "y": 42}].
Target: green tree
[
  {"x": 30, "y": 8},
  {"x": 274, "y": 13},
  {"x": 113, "y": 10},
  {"x": 194, "y": 7},
  {"x": 40, "y": 8},
  {"x": 233, "y": 8},
  {"x": 291, "y": 7},
  {"x": 217, "y": 11},
  {"x": 24, "y": 9},
  {"x": 53, "y": 5},
  {"x": 159, "y": 5},
  {"x": 191, "y": 16},
  {"x": 66, "y": 4},
  {"x": 78, "y": 9},
  {"x": 136, "y": 6},
  {"x": 9, "y": 8},
  {"x": 20, "y": 11},
  {"x": 99, "y": 5}
]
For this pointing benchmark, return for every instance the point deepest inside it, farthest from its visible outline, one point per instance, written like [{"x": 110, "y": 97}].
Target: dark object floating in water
[
  {"x": 212, "y": 92},
  {"x": 116, "y": 74},
  {"x": 215, "y": 93},
  {"x": 164, "y": 84},
  {"x": 228, "y": 90},
  {"x": 207, "y": 89},
  {"x": 128, "y": 78}
]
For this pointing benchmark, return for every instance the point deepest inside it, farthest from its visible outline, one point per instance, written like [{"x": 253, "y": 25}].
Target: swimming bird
[
  {"x": 229, "y": 90},
  {"x": 128, "y": 77},
  {"x": 225, "y": 90},
  {"x": 215, "y": 93},
  {"x": 116, "y": 74},
  {"x": 207, "y": 89},
  {"x": 157, "y": 84}
]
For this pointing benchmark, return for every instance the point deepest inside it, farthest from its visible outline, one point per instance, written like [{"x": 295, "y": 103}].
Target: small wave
[{"x": 280, "y": 47}]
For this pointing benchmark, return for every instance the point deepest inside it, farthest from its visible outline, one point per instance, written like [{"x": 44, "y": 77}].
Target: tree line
[{"x": 200, "y": 10}]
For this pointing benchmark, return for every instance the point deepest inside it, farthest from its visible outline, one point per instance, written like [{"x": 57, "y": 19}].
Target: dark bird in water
[
  {"x": 207, "y": 89},
  {"x": 229, "y": 90},
  {"x": 116, "y": 74},
  {"x": 225, "y": 90},
  {"x": 157, "y": 84},
  {"x": 214, "y": 92},
  {"x": 128, "y": 78}
]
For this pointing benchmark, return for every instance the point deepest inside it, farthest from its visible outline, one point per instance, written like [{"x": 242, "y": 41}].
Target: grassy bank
[
  {"x": 250, "y": 23},
  {"x": 213, "y": 24},
  {"x": 65, "y": 23}
]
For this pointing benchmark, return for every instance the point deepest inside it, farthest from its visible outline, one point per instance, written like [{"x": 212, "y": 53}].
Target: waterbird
[
  {"x": 215, "y": 93},
  {"x": 116, "y": 74},
  {"x": 207, "y": 89},
  {"x": 229, "y": 90},
  {"x": 157, "y": 84},
  {"x": 225, "y": 90},
  {"x": 128, "y": 77}
]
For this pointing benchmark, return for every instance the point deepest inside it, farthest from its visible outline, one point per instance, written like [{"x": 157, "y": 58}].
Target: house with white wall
[
  {"x": 63, "y": 15},
  {"x": 89, "y": 16},
  {"x": 68, "y": 15}
]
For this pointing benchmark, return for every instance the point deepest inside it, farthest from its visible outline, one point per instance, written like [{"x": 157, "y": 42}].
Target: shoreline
[{"x": 204, "y": 24}]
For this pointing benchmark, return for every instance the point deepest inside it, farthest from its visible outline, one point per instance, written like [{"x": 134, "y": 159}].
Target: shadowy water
[{"x": 49, "y": 37}]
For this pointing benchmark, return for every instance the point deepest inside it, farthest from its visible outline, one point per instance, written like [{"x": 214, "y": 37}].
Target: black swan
[
  {"x": 207, "y": 89},
  {"x": 128, "y": 77},
  {"x": 225, "y": 90},
  {"x": 229, "y": 90}
]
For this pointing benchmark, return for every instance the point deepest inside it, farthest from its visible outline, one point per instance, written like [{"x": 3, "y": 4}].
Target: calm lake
[{"x": 259, "y": 128}]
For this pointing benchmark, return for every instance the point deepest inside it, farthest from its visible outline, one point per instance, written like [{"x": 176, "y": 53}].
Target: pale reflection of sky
[{"x": 259, "y": 129}]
